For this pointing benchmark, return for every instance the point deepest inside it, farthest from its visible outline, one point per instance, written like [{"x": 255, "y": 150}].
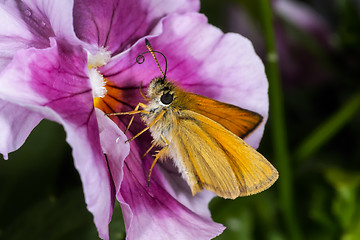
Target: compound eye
[{"x": 167, "y": 98}]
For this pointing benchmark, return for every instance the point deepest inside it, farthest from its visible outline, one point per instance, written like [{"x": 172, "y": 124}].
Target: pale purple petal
[
  {"x": 151, "y": 212},
  {"x": 16, "y": 123},
  {"x": 14, "y": 34},
  {"x": 203, "y": 60},
  {"x": 52, "y": 76},
  {"x": 90, "y": 162},
  {"x": 54, "y": 83},
  {"x": 113, "y": 145},
  {"x": 117, "y": 25},
  {"x": 30, "y": 23},
  {"x": 177, "y": 187}
]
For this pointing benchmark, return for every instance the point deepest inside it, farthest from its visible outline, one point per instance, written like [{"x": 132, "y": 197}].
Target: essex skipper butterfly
[{"x": 204, "y": 138}]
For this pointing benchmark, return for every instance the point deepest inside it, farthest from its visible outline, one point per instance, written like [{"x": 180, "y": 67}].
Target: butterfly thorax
[{"x": 161, "y": 109}]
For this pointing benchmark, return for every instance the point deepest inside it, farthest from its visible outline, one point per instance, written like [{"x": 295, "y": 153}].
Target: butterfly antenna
[
  {"x": 151, "y": 50},
  {"x": 140, "y": 58}
]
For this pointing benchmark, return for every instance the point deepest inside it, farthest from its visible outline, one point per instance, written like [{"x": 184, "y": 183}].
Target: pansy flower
[{"x": 73, "y": 61}]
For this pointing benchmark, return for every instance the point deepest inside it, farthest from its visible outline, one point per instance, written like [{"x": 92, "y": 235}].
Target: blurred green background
[{"x": 312, "y": 137}]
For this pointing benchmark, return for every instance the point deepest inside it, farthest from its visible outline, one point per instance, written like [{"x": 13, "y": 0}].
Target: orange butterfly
[{"x": 204, "y": 138}]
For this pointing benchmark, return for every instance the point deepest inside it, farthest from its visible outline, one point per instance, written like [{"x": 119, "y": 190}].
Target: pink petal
[
  {"x": 113, "y": 145},
  {"x": 90, "y": 162},
  {"x": 16, "y": 123},
  {"x": 153, "y": 213},
  {"x": 117, "y": 25},
  {"x": 54, "y": 83},
  {"x": 31, "y": 23},
  {"x": 177, "y": 187}
]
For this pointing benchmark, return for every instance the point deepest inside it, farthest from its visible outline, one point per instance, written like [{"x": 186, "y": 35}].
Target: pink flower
[{"x": 72, "y": 61}]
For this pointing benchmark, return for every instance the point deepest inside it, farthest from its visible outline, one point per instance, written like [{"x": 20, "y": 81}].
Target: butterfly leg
[
  {"x": 160, "y": 153},
  {"x": 142, "y": 93},
  {"x": 135, "y": 111},
  {"x": 146, "y": 153},
  {"x": 141, "y": 132},
  {"x": 148, "y": 127},
  {"x": 132, "y": 118}
]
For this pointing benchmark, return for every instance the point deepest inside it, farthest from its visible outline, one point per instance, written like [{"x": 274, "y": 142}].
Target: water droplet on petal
[
  {"x": 43, "y": 24},
  {"x": 118, "y": 139},
  {"x": 28, "y": 12}
]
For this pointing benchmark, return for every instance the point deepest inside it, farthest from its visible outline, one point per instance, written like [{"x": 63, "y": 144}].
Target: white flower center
[
  {"x": 97, "y": 80},
  {"x": 101, "y": 58},
  {"x": 97, "y": 83}
]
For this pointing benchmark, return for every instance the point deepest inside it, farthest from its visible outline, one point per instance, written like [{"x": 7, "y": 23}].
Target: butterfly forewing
[
  {"x": 214, "y": 158},
  {"x": 237, "y": 120},
  {"x": 253, "y": 172},
  {"x": 202, "y": 163}
]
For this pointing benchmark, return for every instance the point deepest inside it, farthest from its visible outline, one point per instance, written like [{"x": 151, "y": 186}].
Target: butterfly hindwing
[{"x": 212, "y": 157}]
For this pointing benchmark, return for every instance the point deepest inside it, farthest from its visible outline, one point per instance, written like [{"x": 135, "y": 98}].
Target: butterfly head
[{"x": 161, "y": 91}]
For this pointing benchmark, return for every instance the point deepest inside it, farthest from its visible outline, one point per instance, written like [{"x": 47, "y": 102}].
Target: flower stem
[
  {"x": 277, "y": 119},
  {"x": 329, "y": 128}
]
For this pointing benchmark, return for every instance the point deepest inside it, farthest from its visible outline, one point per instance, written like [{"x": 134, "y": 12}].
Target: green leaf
[{"x": 345, "y": 205}]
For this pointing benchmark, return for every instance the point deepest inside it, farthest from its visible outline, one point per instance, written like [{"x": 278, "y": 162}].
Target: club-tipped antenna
[{"x": 140, "y": 58}]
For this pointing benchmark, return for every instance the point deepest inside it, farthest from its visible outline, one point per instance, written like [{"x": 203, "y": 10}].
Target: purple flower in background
[
  {"x": 297, "y": 63},
  {"x": 71, "y": 61}
]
